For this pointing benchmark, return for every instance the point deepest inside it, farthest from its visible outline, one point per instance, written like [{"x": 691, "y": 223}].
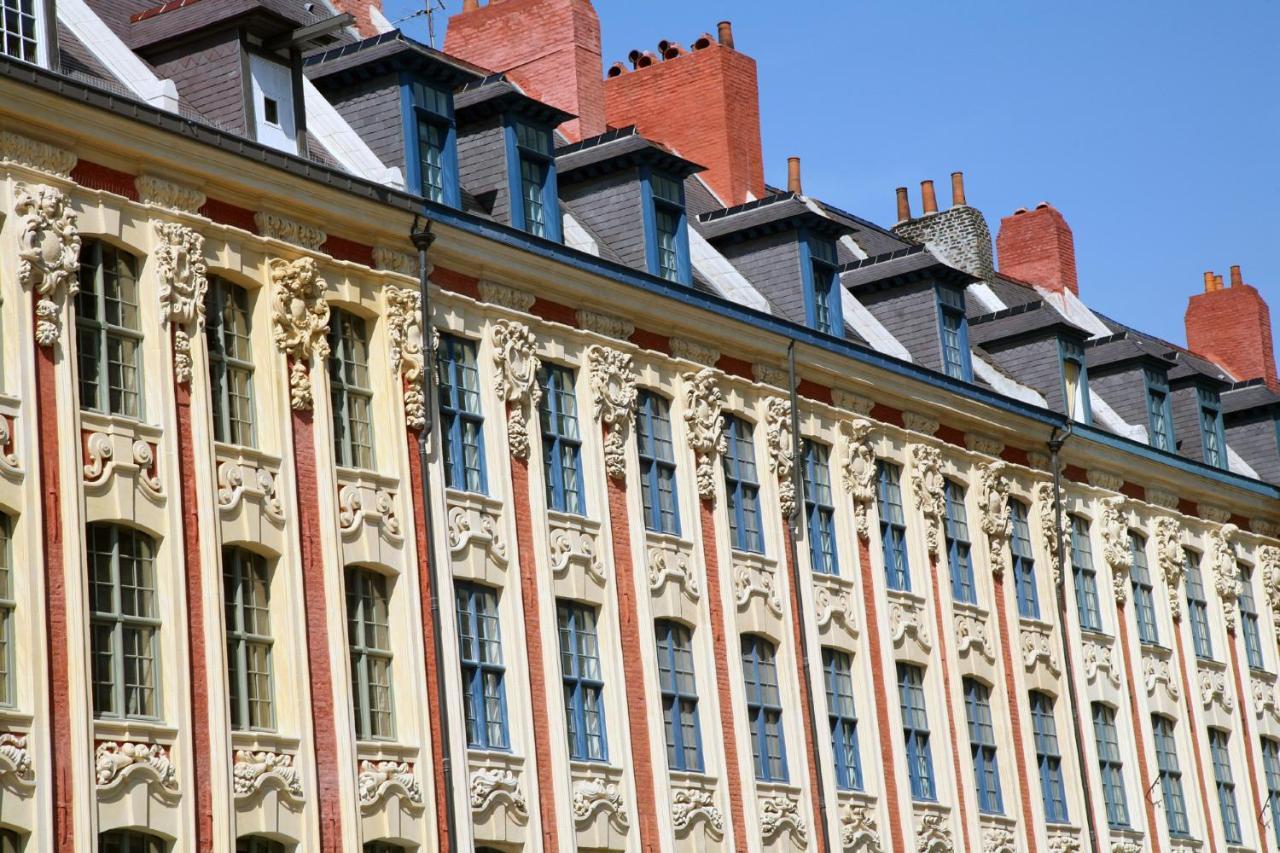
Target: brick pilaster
[
  {"x": 1144, "y": 771},
  {"x": 1194, "y": 728},
  {"x": 1007, "y": 641},
  {"x": 1245, "y": 730},
  {"x": 956, "y": 765}
]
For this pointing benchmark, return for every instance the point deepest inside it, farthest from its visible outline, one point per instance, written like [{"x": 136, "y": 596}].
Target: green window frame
[
  {"x": 959, "y": 547},
  {"x": 1212, "y": 435},
  {"x": 258, "y": 844},
  {"x": 1175, "y": 804},
  {"x": 819, "y": 507},
  {"x": 1197, "y": 606},
  {"x": 1144, "y": 601},
  {"x": 109, "y": 331},
  {"x": 350, "y": 390},
  {"x": 20, "y": 29},
  {"x": 369, "y": 639},
  {"x": 229, "y": 330},
  {"x": 246, "y": 585},
  {"x": 130, "y": 841},
  {"x": 125, "y": 624},
  {"x": 1219, "y": 749},
  {"x": 1024, "y": 563},
  {"x": 1249, "y": 629},
  {"x": 1085, "y": 575},
  {"x": 1110, "y": 765},
  {"x": 8, "y": 605},
  {"x": 1159, "y": 410}
]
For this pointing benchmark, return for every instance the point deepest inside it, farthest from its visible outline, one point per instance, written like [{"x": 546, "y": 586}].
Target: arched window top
[{"x": 130, "y": 841}]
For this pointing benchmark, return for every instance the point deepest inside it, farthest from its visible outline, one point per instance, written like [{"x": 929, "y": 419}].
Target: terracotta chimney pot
[
  {"x": 1236, "y": 279},
  {"x": 928, "y": 198},
  {"x": 957, "y": 189},
  {"x": 1217, "y": 283},
  {"x": 1208, "y": 281},
  {"x": 470, "y": 5},
  {"x": 725, "y": 31},
  {"x": 904, "y": 205},
  {"x": 793, "y": 176}
]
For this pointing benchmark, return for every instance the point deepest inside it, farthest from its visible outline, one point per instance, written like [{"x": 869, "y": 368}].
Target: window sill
[
  {"x": 385, "y": 750},
  {"x": 148, "y": 731}
]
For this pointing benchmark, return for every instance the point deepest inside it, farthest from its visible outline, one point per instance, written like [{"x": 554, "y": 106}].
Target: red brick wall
[
  {"x": 359, "y": 10},
  {"x": 1245, "y": 711},
  {"x": 1232, "y": 326},
  {"x": 99, "y": 177},
  {"x": 956, "y": 765},
  {"x": 1037, "y": 246},
  {"x": 706, "y": 106}
]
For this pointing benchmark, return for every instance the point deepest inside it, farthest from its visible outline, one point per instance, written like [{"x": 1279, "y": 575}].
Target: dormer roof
[
  {"x": 618, "y": 149},
  {"x": 495, "y": 95},
  {"x": 385, "y": 53}
]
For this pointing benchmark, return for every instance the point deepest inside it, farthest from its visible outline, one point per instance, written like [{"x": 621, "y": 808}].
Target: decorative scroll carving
[
  {"x": 613, "y": 391},
  {"x": 467, "y": 524},
  {"x": 1037, "y": 646},
  {"x": 570, "y": 546},
  {"x": 598, "y": 795},
  {"x": 162, "y": 193},
  {"x": 299, "y": 322},
  {"x": 115, "y": 761},
  {"x": 1269, "y": 560},
  {"x": 778, "y": 440},
  {"x": 254, "y": 770},
  {"x": 495, "y": 785},
  {"x": 1214, "y": 687},
  {"x": 395, "y": 261},
  {"x": 1213, "y": 513},
  {"x": 1061, "y": 842},
  {"x": 1220, "y": 554},
  {"x": 516, "y": 360},
  {"x": 993, "y": 511},
  {"x": 277, "y": 227},
  {"x": 1161, "y": 498},
  {"x": 15, "y": 759},
  {"x": 917, "y": 422},
  {"x": 98, "y": 458},
  {"x": 1172, "y": 561},
  {"x": 907, "y": 619},
  {"x": 751, "y": 578},
  {"x": 997, "y": 839},
  {"x": 927, "y": 486},
  {"x": 933, "y": 835},
  {"x": 1157, "y": 671},
  {"x": 381, "y": 779},
  {"x": 48, "y": 254},
  {"x": 859, "y": 831},
  {"x": 1099, "y": 657},
  {"x": 1104, "y": 479},
  {"x": 859, "y": 470},
  {"x": 350, "y": 507},
  {"x": 1115, "y": 545},
  {"x": 609, "y": 325},
  {"x": 181, "y": 271},
  {"x": 145, "y": 458},
  {"x": 36, "y": 155},
  {"x": 231, "y": 487},
  {"x": 404, "y": 333},
  {"x": 673, "y": 564},
  {"x": 1264, "y": 698},
  {"x": 1126, "y": 847},
  {"x": 832, "y": 603},
  {"x": 780, "y": 813},
  {"x": 704, "y": 422},
  {"x": 8, "y": 459},
  {"x": 972, "y": 635},
  {"x": 1047, "y": 510},
  {"x": 695, "y": 351},
  {"x": 691, "y": 805}
]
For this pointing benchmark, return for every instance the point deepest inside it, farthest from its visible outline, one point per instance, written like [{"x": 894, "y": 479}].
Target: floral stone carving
[
  {"x": 496, "y": 785},
  {"x": 859, "y": 470},
  {"x": 906, "y": 618},
  {"x": 704, "y": 422},
  {"x": 1172, "y": 561},
  {"x": 1048, "y": 510},
  {"x": 689, "y": 806},
  {"x": 1269, "y": 560},
  {"x": 114, "y": 761},
  {"x": 1099, "y": 657},
  {"x": 598, "y": 795},
  {"x": 404, "y": 331},
  {"x": 254, "y": 770},
  {"x": 783, "y": 813},
  {"x": 933, "y": 835},
  {"x": 1115, "y": 545},
  {"x": 16, "y": 758},
  {"x": 515, "y": 357},
  {"x": 859, "y": 830},
  {"x": 613, "y": 392},
  {"x": 1220, "y": 554},
  {"x": 997, "y": 839},
  {"x": 381, "y": 779},
  {"x": 299, "y": 322},
  {"x": 48, "y": 254},
  {"x": 673, "y": 564},
  {"x": 928, "y": 486},
  {"x": 993, "y": 511},
  {"x": 778, "y": 439},
  {"x": 182, "y": 274}
]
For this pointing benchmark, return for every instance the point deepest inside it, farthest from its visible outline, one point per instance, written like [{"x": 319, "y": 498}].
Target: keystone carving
[
  {"x": 496, "y": 785},
  {"x": 993, "y": 511},
  {"x": 466, "y": 525},
  {"x": 36, "y": 155},
  {"x": 859, "y": 470},
  {"x": 859, "y": 831},
  {"x": 381, "y": 779},
  {"x": 613, "y": 391},
  {"x": 690, "y": 806},
  {"x": 1037, "y": 647},
  {"x": 404, "y": 331},
  {"x": 277, "y": 227},
  {"x": 933, "y": 835},
  {"x": 1214, "y": 688},
  {"x": 571, "y": 546},
  {"x": 299, "y": 322},
  {"x": 907, "y": 619},
  {"x": 672, "y": 564},
  {"x": 181, "y": 271},
  {"x": 928, "y": 487},
  {"x": 599, "y": 796},
  {"x": 1220, "y": 553},
  {"x": 257, "y": 769},
  {"x": 115, "y": 761},
  {"x": 1098, "y": 657},
  {"x": 1116, "y": 549},
  {"x": 162, "y": 193},
  {"x": 704, "y": 422},
  {"x": 516, "y": 360},
  {"x": 15, "y": 759},
  {"x": 972, "y": 635},
  {"x": 783, "y": 813},
  {"x": 831, "y": 603},
  {"x": 48, "y": 254},
  {"x": 1157, "y": 671},
  {"x": 751, "y": 579},
  {"x": 1172, "y": 561},
  {"x": 778, "y": 439}
]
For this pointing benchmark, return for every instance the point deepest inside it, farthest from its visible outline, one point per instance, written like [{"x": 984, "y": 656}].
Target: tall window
[
  {"x": 844, "y": 719},
  {"x": 764, "y": 708},
  {"x": 258, "y": 844},
  {"x": 583, "y": 682},
  {"x": 1211, "y": 432},
  {"x": 893, "y": 526},
  {"x": 982, "y": 746},
  {"x": 538, "y": 207},
  {"x": 1225, "y": 784},
  {"x": 126, "y": 625},
  {"x": 1144, "y": 607},
  {"x": 954, "y": 330},
  {"x": 461, "y": 422},
  {"x": 228, "y": 331},
  {"x": 1110, "y": 765},
  {"x": 1175, "y": 806},
  {"x": 669, "y": 251},
  {"x": 246, "y": 591},
  {"x": 383, "y": 847},
  {"x": 109, "y": 334},
  {"x": 1075, "y": 381},
  {"x": 129, "y": 841},
  {"x": 1271, "y": 767},
  {"x": 959, "y": 548},
  {"x": 1197, "y": 606},
  {"x": 824, "y": 284},
  {"x": 350, "y": 390},
  {"x": 1085, "y": 575},
  {"x": 1048, "y": 758},
  {"x": 484, "y": 695},
  {"x": 679, "y": 696},
  {"x": 657, "y": 463},
  {"x": 1249, "y": 620},
  {"x": 369, "y": 635},
  {"x": 10, "y": 841},
  {"x": 7, "y": 605},
  {"x": 742, "y": 486},
  {"x": 561, "y": 441},
  {"x": 915, "y": 730},
  {"x": 820, "y": 508},
  {"x": 19, "y": 29},
  {"x": 1159, "y": 410},
  {"x": 1024, "y": 563},
  {"x": 433, "y": 114}
]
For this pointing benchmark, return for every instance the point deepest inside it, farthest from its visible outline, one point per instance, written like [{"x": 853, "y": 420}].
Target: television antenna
[{"x": 432, "y": 7}]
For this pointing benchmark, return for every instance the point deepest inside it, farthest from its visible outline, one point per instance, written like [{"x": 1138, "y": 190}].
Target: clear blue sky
[{"x": 1153, "y": 126}]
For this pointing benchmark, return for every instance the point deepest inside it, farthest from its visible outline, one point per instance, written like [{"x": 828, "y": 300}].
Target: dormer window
[
  {"x": 667, "y": 249},
  {"x": 822, "y": 285},
  {"x": 533, "y": 164},
  {"x": 1159, "y": 410},
  {"x": 437, "y": 160},
  {"x": 953, "y": 329},
  {"x": 20, "y": 29},
  {"x": 272, "y": 92},
  {"x": 1211, "y": 431},
  {"x": 1075, "y": 381}
]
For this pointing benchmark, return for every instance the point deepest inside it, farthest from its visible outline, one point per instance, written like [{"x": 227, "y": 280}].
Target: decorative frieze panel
[
  {"x": 299, "y": 322},
  {"x": 1220, "y": 554},
  {"x": 916, "y": 422},
  {"x": 381, "y": 780},
  {"x": 473, "y": 528},
  {"x": 933, "y": 832},
  {"x": 257, "y": 770},
  {"x": 365, "y": 499},
  {"x": 181, "y": 273},
  {"x": 780, "y": 813},
  {"x": 599, "y": 797},
  {"x": 859, "y": 470},
  {"x": 1125, "y": 846},
  {"x": 516, "y": 362},
  {"x": 1264, "y": 697},
  {"x": 574, "y": 548},
  {"x": 162, "y": 193},
  {"x": 1098, "y": 657},
  {"x": 393, "y": 260},
  {"x": 1158, "y": 673},
  {"x": 1038, "y": 647},
  {"x": 609, "y": 325},
  {"x": 691, "y": 806},
  {"x": 779, "y": 443},
  {"x": 511, "y": 298},
  {"x": 973, "y": 634},
  {"x": 612, "y": 380},
  {"x": 927, "y": 487},
  {"x": 695, "y": 351},
  {"x": 1171, "y": 560},
  {"x": 909, "y": 622},
  {"x": 112, "y": 447},
  {"x": 1214, "y": 686},
  {"x": 993, "y": 511},
  {"x": 48, "y": 254},
  {"x": 244, "y": 473},
  {"x": 754, "y": 576},
  {"x": 404, "y": 335},
  {"x": 704, "y": 423},
  {"x": 275, "y": 226},
  {"x": 115, "y": 762},
  {"x": 670, "y": 560},
  {"x": 15, "y": 760},
  {"x": 835, "y": 603},
  {"x": 493, "y": 786},
  {"x": 859, "y": 829},
  {"x": 41, "y": 156}
]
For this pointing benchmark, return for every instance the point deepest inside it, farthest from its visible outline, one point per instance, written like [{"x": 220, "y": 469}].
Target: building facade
[{"x": 687, "y": 513}]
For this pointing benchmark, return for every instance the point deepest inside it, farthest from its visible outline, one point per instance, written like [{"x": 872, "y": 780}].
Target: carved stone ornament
[
  {"x": 1047, "y": 511},
  {"x": 404, "y": 332},
  {"x": 1116, "y": 549},
  {"x": 695, "y": 351},
  {"x": 928, "y": 487},
  {"x": 15, "y": 759},
  {"x": 767, "y": 374},
  {"x": 613, "y": 392},
  {"x": 972, "y": 635},
  {"x": 115, "y": 761},
  {"x": 1156, "y": 672},
  {"x": 491, "y": 786},
  {"x": 255, "y": 770},
  {"x": 1161, "y": 498},
  {"x": 48, "y": 254},
  {"x": 907, "y": 619},
  {"x": 506, "y": 297},
  {"x": 933, "y": 835},
  {"x": 182, "y": 274},
  {"x": 782, "y": 813},
  {"x": 467, "y": 525},
  {"x": 1062, "y": 842},
  {"x": 847, "y": 401},
  {"x": 997, "y": 839},
  {"x": 1099, "y": 657},
  {"x": 832, "y": 603},
  {"x": 673, "y": 564},
  {"x": 36, "y": 155},
  {"x": 688, "y": 806},
  {"x": 381, "y": 779},
  {"x": 516, "y": 360},
  {"x": 599, "y": 796},
  {"x": 1038, "y": 648},
  {"x": 609, "y": 325},
  {"x": 1214, "y": 687},
  {"x": 751, "y": 579},
  {"x": 917, "y": 422},
  {"x": 278, "y": 227},
  {"x": 1172, "y": 561},
  {"x": 1104, "y": 479},
  {"x": 299, "y": 322},
  {"x": 393, "y": 260},
  {"x": 985, "y": 444},
  {"x": 778, "y": 440},
  {"x": 704, "y": 423},
  {"x": 1126, "y": 847},
  {"x": 993, "y": 512},
  {"x": 1264, "y": 698},
  {"x": 859, "y": 831},
  {"x": 1263, "y": 527},
  {"x": 570, "y": 546},
  {"x": 162, "y": 193},
  {"x": 859, "y": 470},
  {"x": 1220, "y": 554},
  {"x": 1269, "y": 561}
]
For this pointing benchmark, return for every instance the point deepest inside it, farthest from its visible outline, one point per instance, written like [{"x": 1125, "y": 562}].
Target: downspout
[
  {"x": 422, "y": 239},
  {"x": 1056, "y": 440},
  {"x": 797, "y": 512}
]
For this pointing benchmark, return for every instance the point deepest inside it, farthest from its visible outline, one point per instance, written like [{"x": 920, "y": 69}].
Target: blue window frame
[
  {"x": 1144, "y": 607},
  {"x": 982, "y": 746},
  {"x": 742, "y": 485},
  {"x": 1175, "y": 805},
  {"x": 764, "y": 708},
  {"x": 953, "y": 332},
  {"x": 1084, "y": 575},
  {"x": 1024, "y": 563},
  {"x": 583, "y": 683},
  {"x": 1249, "y": 619},
  {"x": 561, "y": 440},
  {"x": 844, "y": 719},
  {"x": 1271, "y": 768},
  {"x": 461, "y": 422},
  {"x": 535, "y": 203},
  {"x": 484, "y": 693},
  {"x": 1197, "y": 606},
  {"x": 1075, "y": 381},
  {"x": 1211, "y": 431},
  {"x": 915, "y": 730},
  {"x": 820, "y": 508},
  {"x": 893, "y": 526},
  {"x": 1159, "y": 410},
  {"x": 1218, "y": 740},
  {"x": 822, "y": 285},
  {"x": 959, "y": 548},
  {"x": 1110, "y": 765},
  {"x": 657, "y": 463},
  {"x": 679, "y": 696},
  {"x": 433, "y": 135},
  {"x": 666, "y": 228},
  {"x": 1048, "y": 758}
]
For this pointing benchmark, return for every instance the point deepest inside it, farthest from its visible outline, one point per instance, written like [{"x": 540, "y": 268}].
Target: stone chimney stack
[
  {"x": 1232, "y": 326},
  {"x": 959, "y": 236},
  {"x": 1037, "y": 246},
  {"x": 361, "y": 10}
]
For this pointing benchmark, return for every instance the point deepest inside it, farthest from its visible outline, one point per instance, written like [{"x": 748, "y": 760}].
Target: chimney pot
[
  {"x": 633, "y": 57},
  {"x": 957, "y": 189},
  {"x": 673, "y": 50},
  {"x": 704, "y": 41},
  {"x": 470, "y": 5},
  {"x": 1208, "y": 281},
  {"x": 646, "y": 59},
  {"x": 725, "y": 31},
  {"x": 616, "y": 69},
  {"x": 662, "y": 46},
  {"x": 1236, "y": 279},
  {"x": 904, "y": 205},
  {"x": 1217, "y": 283},
  {"x": 793, "y": 176},
  {"x": 928, "y": 198}
]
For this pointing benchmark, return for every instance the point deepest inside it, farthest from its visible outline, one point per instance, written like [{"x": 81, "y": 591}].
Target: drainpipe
[
  {"x": 423, "y": 238},
  {"x": 797, "y": 480},
  {"x": 1056, "y": 440}
]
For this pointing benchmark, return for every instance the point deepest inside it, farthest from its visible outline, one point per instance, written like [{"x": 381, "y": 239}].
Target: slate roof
[
  {"x": 387, "y": 52},
  {"x": 1029, "y": 320},
  {"x": 1123, "y": 349},
  {"x": 769, "y": 215},
  {"x": 617, "y": 149},
  {"x": 1246, "y": 396},
  {"x": 908, "y": 264},
  {"x": 496, "y": 94}
]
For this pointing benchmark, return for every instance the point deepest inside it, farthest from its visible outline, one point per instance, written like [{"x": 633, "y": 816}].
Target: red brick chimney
[
  {"x": 1036, "y": 246},
  {"x": 704, "y": 104},
  {"x": 1232, "y": 326},
  {"x": 359, "y": 9},
  {"x": 550, "y": 47}
]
